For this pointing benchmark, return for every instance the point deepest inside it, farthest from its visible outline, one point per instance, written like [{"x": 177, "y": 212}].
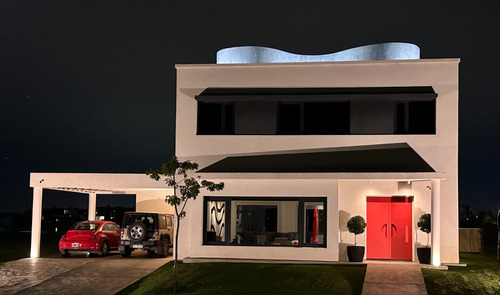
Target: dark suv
[{"x": 152, "y": 232}]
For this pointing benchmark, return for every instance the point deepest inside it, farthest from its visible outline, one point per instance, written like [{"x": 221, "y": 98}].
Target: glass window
[
  {"x": 162, "y": 219},
  {"x": 259, "y": 221},
  {"x": 85, "y": 225},
  {"x": 215, "y": 118},
  {"x": 314, "y": 223},
  {"x": 272, "y": 223},
  {"x": 416, "y": 117},
  {"x": 326, "y": 118},
  {"x": 216, "y": 222},
  {"x": 110, "y": 227},
  {"x": 289, "y": 118}
]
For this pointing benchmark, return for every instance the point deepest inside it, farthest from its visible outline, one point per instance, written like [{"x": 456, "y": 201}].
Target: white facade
[{"x": 345, "y": 192}]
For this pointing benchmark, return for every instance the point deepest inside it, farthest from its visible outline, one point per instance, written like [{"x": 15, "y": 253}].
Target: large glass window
[{"x": 265, "y": 221}]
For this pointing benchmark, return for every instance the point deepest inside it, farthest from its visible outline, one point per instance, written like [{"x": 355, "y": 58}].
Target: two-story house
[{"x": 303, "y": 143}]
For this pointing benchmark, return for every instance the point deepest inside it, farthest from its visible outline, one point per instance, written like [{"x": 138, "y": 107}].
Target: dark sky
[{"x": 89, "y": 86}]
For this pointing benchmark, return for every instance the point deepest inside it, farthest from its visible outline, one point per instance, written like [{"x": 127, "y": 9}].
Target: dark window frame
[{"x": 300, "y": 220}]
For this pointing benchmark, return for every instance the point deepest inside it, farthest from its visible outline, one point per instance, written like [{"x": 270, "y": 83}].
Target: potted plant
[
  {"x": 424, "y": 224},
  {"x": 356, "y": 225}
]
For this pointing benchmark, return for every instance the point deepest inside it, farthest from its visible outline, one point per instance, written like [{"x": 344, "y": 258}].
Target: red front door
[{"x": 388, "y": 230}]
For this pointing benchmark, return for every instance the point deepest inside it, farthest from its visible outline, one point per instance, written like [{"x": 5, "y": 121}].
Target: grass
[
  {"x": 241, "y": 278},
  {"x": 19, "y": 244},
  {"x": 481, "y": 276}
]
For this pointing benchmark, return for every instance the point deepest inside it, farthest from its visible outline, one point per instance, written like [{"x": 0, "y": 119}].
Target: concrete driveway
[{"x": 77, "y": 274}]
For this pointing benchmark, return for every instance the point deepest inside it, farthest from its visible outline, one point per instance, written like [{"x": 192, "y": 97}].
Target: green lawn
[
  {"x": 17, "y": 246},
  {"x": 241, "y": 278},
  {"x": 481, "y": 276}
]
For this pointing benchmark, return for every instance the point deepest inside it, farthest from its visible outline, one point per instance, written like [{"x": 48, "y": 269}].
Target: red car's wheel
[
  {"x": 65, "y": 253},
  {"x": 104, "y": 248}
]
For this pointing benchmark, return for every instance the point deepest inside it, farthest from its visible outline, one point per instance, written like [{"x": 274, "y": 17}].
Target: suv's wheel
[
  {"x": 137, "y": 232},
  {"x": 104, "y": 248},
  {"x": 126, "y": 252},
  {"x": 165, "y": 245}
]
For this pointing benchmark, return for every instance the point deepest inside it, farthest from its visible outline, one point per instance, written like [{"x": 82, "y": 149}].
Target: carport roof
[{"x": 99, "y": 183}]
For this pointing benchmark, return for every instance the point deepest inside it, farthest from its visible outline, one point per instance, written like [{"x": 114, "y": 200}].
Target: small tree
[
  {"x": 178, "y": 175},
  {"x": 356, "y": 225},
  {"x": 424, "y": 224}
]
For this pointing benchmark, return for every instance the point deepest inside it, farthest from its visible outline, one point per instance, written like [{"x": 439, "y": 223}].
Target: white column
[
  {"x": 36, "y": 222},
  {"x": 92, "y": 206},
  {"x": 436, "y": 222}
]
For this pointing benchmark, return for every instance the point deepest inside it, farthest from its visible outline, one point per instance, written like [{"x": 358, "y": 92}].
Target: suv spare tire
[{"x": 137, "y": 232}]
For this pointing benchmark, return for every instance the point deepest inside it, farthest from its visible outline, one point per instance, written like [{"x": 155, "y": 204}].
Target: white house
[{"x": 302, "y": 144}]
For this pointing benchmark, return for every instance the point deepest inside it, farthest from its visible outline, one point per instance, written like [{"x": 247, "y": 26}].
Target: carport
[{"x": 150, "y": 194}]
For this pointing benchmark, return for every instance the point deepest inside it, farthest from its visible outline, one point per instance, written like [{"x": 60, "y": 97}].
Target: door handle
[
  {"x": 406, "y": 234},
  {"x": 395, "y": 230},
  {"x": 384, "y": 226}
]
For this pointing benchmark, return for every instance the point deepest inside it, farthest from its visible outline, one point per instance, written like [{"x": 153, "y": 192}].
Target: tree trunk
[{"x": 176, "y": 252}]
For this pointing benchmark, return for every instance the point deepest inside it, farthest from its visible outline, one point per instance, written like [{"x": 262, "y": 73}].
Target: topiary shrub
[
  {"x": 356, "y": 225},
  {"x": 424, "y": 224}
]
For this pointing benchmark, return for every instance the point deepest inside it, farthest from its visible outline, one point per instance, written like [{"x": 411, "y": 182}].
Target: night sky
[{"x": 89, "y": 86}]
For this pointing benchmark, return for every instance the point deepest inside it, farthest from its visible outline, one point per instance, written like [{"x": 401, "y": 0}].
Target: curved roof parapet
[{"x": 257, "y": 54}]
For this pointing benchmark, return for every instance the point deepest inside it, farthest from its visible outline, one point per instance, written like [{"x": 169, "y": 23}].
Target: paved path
[
  {"x": 393, "y": 278},
  {"x": 77, "y": 274}
]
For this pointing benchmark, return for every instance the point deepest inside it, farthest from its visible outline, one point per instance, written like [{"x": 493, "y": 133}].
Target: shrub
[
  {"x": 424, "y": 224},
  {"x": 356, "y": 225}
]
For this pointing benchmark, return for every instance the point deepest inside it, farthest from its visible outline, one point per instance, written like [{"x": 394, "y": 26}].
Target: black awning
[
  {"x": 424, "y": 93},
  {"x": 361, "y": 159},
  {"x": 323, "y": 90}
]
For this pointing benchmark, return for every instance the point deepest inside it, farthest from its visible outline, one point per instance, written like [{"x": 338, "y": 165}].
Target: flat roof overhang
[
  {"x": 419, "y": 93},
  {"x": 410, "y": 176},
  {"x": 100, "y": 183}
]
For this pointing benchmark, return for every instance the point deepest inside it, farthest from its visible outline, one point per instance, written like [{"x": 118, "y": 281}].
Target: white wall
[
  {"x": 439, "y": 150},
  {"x": 191, "y": 231}
]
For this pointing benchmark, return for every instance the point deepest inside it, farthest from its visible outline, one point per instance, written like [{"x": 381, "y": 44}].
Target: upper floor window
[
  {"x": 416, "y": 117},
  {"x": 215, "y": 118},
  {"x": 313, "y": 118},
  {"x": 323, "y": 111}
]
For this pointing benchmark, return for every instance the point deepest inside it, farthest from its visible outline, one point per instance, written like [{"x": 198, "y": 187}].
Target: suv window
[
  {"x": 150, "y": 220},
  {"x": 162, "y": 220},
  {"x": 169, "y": 221}
]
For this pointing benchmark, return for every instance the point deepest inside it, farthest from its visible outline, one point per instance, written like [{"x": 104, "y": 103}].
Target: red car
[{"x": 92, "y": 236}]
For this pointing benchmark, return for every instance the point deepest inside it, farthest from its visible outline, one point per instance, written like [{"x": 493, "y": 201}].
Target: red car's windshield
[{"x": 85, "y": 226}]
